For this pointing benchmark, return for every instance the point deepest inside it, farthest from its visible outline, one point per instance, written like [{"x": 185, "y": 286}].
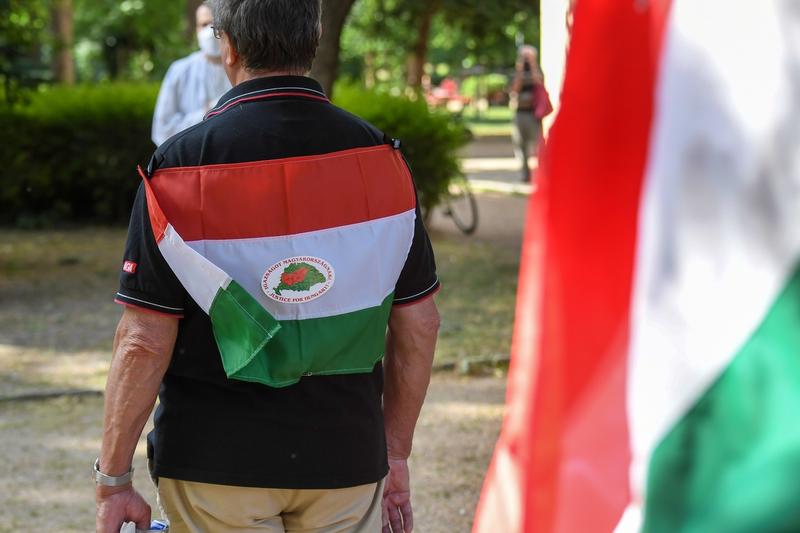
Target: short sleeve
[
  {"x": 418, "y": 278},
  {"x": 146, "y": 280}
]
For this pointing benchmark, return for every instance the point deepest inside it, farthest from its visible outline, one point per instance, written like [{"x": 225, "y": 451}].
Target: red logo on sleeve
[{"x": 129, "y": 267}]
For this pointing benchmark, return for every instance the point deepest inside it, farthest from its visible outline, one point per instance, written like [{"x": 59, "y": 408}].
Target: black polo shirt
[{"x": 323, "y": 432}]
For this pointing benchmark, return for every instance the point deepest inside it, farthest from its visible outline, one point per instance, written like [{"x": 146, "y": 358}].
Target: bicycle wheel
[{"x": 462, "y": 207}]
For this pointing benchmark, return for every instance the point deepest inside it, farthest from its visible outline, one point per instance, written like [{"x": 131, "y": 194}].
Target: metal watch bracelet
[{"x": 110, "y": 481}]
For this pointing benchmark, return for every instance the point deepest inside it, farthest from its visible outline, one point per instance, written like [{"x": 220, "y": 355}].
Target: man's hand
[
  {"x": 397, "y": 514},
  {"x": 118, "y": 505},
  {"x": 407, "y": 371},
  {"x": 142, "y": 352}
]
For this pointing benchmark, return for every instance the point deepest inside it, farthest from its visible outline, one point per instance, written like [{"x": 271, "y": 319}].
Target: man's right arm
[{"x": 142, "y": 351}]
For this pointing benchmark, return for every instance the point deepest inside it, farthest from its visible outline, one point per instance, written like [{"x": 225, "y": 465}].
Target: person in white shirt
[{"x": 192, "y": 85}]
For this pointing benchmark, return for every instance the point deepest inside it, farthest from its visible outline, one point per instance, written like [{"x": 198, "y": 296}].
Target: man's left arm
[
  {"x": 143, "y": 347},
  {"x": 410, "y": 343},
  {"x": 410, "y": 346}
]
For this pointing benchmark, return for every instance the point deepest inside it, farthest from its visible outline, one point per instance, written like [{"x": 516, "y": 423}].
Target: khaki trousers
[{"x": 206, "y": 508}]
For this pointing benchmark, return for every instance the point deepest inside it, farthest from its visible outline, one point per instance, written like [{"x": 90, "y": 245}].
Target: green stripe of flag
[
  {"x": 242, "y": 327},
  {"x": 732, "y": 463},
  {"x": 349, "y": 343}
]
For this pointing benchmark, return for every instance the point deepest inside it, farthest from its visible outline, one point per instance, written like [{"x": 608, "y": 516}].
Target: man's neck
[
  {"x": 212, "y": 59},
  {"x": 246, "y": 75}
]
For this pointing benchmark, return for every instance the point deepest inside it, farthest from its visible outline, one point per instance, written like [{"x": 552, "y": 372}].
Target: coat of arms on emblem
[{"x": 298, "y": 279}]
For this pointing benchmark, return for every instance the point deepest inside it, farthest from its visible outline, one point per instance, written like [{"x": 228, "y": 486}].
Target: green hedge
[
  {"x": 69, "y": 155},
  {"x": 430, "y": 138}
]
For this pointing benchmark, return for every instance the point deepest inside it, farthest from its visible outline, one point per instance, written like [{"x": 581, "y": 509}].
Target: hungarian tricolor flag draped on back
[
  {"x": 295, "y": 260},
  {"x": 655, "y": 374}
]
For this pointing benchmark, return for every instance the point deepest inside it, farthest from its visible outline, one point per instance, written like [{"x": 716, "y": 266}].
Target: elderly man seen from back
[
  {"x": 192, "y": 85},
  {"x": 307, "y": 217}
]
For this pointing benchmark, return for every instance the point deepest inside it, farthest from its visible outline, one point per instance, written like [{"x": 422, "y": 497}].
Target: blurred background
[
  {"x": 78, "y": 85},
  {"x": 73, "y": 71}
]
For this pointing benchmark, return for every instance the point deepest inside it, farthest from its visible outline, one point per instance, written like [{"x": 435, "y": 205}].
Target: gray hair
[{"x": 272, "y": 35}]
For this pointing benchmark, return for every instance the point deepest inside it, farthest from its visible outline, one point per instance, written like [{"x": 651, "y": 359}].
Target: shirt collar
[{"x": 267, "y": 87}]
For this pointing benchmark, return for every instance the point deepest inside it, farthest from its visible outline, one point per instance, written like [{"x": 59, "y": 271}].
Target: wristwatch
[{"x": 110, "y": 481}]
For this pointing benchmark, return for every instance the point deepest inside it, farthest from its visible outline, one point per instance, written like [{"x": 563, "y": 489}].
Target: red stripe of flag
[
  {"x": 285, "y": 196},
  {"x": 561, "y": 463},
  {"x": 157, "y": 219}
]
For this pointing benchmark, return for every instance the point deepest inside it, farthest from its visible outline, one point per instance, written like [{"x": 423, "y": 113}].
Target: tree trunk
[
  {"x": 419, "y": 52},
  {"x": 191, "y": 19},
  {"x": 326, "y": 64},
  {"x": 63, "y": 61}
]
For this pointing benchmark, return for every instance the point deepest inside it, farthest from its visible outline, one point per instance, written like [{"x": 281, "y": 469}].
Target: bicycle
[{"x": 460, "y": 205}]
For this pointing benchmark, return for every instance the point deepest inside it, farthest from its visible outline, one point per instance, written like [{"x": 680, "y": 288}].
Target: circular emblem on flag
[{"x": 298, "y": 280}]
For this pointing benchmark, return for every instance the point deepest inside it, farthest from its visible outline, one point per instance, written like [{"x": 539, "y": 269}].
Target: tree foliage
[
  {"x": 382, "y": 34},
  {"x": 24, "y": 44},
  {"x": 383, "y": 41},
  {"x": 132, "y": 39}
]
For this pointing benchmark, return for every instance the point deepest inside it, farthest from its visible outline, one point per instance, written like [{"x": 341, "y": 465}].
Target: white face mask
[{"x": 207, "y": 42}]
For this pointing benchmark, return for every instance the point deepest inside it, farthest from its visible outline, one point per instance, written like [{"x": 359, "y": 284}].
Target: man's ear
[{"x": 229, "y": 54}]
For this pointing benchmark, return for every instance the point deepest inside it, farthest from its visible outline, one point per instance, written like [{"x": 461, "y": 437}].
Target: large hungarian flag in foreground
[{"x": 655, "y": 374}]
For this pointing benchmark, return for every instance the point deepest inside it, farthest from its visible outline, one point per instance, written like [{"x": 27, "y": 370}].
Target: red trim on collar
[{"x": 263, "y": 97}]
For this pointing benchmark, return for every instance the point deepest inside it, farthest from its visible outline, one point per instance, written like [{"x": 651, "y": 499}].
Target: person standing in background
[
  {"x": 192, "y": 85},
  {"x": 530, "y": 101}
]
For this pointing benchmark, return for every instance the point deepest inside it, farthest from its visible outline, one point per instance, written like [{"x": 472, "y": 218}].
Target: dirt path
[
  {"x": 453, "y": 445},
  {"x": 501, "y": 218}
]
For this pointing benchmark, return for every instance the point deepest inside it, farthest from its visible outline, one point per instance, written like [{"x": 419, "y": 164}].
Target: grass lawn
[
  {"x": 479, "y": 280},
  {"x": 495, "y": 121},
  {"x": 57, "y": 321}
]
